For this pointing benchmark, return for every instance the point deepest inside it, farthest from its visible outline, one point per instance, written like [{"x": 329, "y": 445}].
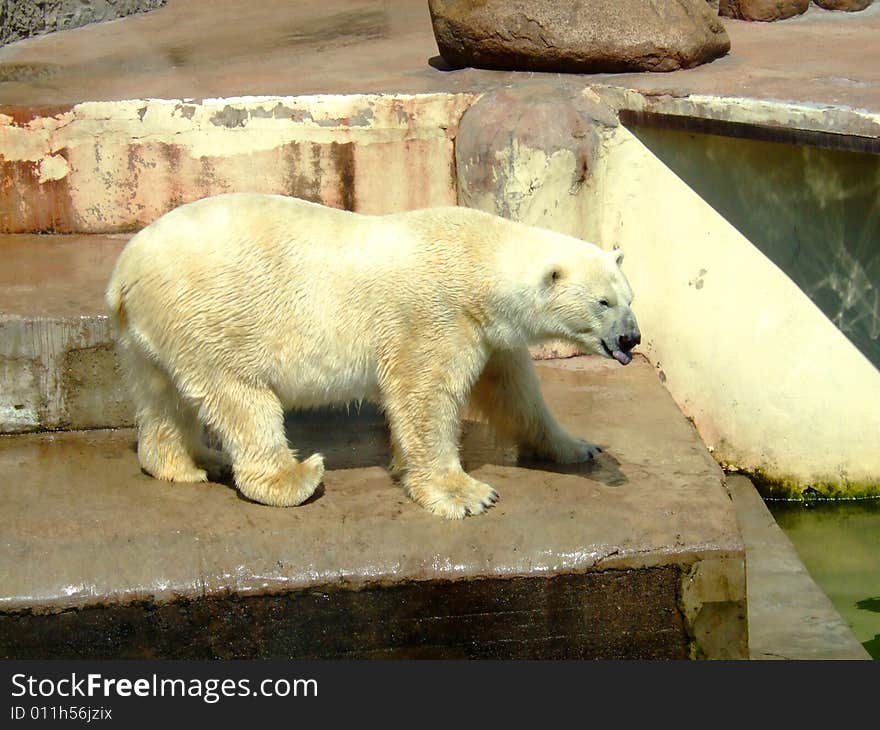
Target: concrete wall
[
  {"x": 116, "y": 166},
  {"x": 24, "y": 18},
  {"x": 814, "y": 212},
  {"x": 771, "y": 384}
]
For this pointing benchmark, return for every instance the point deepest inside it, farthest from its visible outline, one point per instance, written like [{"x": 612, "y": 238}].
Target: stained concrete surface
[
  {"x": 85, "y": 527},
  {"x": 56, "y": 276},
  {"x": 826, "y": 62},
  {"x": 790, "y": 617},
  {"x": 58, "y": 367}
]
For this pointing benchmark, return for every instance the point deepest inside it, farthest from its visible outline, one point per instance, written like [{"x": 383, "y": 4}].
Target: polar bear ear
[
  {"x": 617, "y": 255},
  {"x": 553, "y": 272}
]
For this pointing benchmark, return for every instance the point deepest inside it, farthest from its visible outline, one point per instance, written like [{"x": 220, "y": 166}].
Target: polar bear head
[
  {"x": 583, "y": 297},
  {"x": 590, "y": 299}
]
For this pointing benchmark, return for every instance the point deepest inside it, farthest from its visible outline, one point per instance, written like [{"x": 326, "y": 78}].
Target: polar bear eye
[{"x": 604, "y": 302}]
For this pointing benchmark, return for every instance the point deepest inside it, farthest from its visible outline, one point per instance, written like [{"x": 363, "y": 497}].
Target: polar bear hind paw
[
  {"x": 454, "y": 496},
  {"x": 288, "y": 486},
  {"x": 171, "y": 463},
  {"x": 184, "y": 473}
]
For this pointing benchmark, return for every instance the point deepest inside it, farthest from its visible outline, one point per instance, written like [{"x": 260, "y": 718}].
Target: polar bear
[{"x": 235, "y": 307}]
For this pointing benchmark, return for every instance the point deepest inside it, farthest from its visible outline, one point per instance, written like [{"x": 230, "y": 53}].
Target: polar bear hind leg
[
  {"x": 169, "y": 434},
  {"x": 249, "y": 420},
  {"x": 508, "y": 394}
]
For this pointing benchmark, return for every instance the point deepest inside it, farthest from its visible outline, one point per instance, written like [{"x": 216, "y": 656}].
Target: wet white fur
[{"x": 232, "y": 308}]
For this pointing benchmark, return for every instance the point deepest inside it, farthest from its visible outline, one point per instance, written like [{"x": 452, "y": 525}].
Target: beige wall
[{"x": 770, "y": 383}]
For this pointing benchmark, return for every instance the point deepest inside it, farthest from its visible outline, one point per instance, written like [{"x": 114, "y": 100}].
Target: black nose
[{"x": 628, "y": 342}]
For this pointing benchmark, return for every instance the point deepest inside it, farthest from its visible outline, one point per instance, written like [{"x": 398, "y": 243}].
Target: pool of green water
[{"x": 839, "y": 543}]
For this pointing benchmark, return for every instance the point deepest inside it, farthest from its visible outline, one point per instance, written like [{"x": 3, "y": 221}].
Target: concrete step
[
  {"x": 635, "y": 555},
  {"x": 790, "y": 617},
  {"x": 57, "y": 364},
  {"x": 223, "y": 48}
]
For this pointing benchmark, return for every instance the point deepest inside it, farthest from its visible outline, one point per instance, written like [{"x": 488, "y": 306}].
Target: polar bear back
[{"x": 251, "y": 284}]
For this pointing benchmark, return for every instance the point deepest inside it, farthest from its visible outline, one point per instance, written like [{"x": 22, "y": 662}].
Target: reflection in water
[
  {"x": 838, "y": 542},
  {"x": 357, "y": 437}
]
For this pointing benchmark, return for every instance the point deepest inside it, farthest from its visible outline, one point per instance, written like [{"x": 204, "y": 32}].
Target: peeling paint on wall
[{"x": 121, "y": 165}]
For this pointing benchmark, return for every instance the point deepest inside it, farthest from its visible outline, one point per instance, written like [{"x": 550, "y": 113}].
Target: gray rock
[
  {"x": 24, "y": 19},
  {"x": 579, "y": 36},
  {"x": 848, "y": 5},
  {"x": 507, "y": 126},
  {"x": 764, "y": 10}
]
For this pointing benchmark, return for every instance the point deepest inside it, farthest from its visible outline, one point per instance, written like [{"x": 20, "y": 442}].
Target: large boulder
[
  {"x": 764, "y": 10},
  {"x": 848, "y": 5},
  {"x": 579, "y": 36}
]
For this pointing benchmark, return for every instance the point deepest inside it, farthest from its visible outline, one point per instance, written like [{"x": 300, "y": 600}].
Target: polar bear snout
[
  {"x": 627, "y": 342},
  {"x": 620, "y": 346}
]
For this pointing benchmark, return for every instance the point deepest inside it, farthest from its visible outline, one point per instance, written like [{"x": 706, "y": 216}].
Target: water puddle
[{"x": 838, "y": 542}]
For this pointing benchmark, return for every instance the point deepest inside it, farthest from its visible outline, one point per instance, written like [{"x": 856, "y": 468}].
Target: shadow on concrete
[
  {"x": 605, "y": 469},
  {"x": 358, "y": 438},
  {"x": 438, "y": 63}
]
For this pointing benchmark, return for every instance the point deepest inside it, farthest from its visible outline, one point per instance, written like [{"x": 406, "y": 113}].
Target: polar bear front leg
[
  {"x": 508, "y": 394},
  {"x": 423, "y": 398},
  {"x": 250, "y": 422}
]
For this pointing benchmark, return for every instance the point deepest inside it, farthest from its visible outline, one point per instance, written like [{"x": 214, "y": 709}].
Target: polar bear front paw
[
  {"x": 286, "y": 487},
  {"x": 454, "y": 496},
  {"x": 577, "y": 451},
  {"x": 564, "y": 450}
]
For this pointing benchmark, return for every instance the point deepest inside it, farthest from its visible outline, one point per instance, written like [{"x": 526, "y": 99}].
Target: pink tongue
[{"x": 622, "y": 357}]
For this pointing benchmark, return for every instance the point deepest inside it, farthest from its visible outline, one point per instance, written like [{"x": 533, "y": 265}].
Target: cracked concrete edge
[
  {"x": 839, "y": 120},
  {"x": 712, "y": 597},
  {"x": 713, "y": 603},
  {"x": 790, "y": 617}
]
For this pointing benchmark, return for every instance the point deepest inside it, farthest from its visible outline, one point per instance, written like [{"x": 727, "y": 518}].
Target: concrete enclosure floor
[{"x": 91, "y": 530}]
